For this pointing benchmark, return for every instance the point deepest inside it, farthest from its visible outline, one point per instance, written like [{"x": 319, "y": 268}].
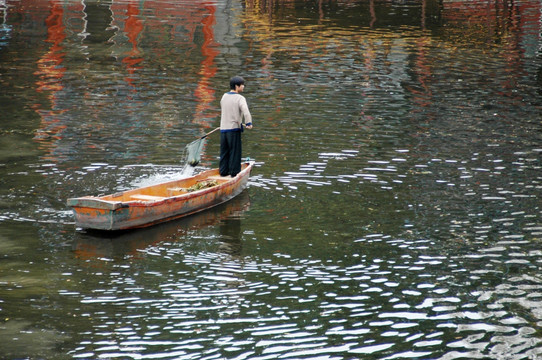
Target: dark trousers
[{"x": 230, "y": 153}]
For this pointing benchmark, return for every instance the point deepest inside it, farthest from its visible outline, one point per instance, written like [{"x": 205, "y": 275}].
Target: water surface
[{"x": 394, "y": 211}]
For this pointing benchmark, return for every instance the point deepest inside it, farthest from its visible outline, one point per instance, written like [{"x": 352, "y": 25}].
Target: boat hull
[{"x": 158, "y": 203}]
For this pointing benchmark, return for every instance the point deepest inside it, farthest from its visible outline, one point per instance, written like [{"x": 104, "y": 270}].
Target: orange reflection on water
[{"x": 506, "y": 24}]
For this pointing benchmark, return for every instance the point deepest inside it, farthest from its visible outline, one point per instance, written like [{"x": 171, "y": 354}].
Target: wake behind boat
[{"x": 153, "y": 204}]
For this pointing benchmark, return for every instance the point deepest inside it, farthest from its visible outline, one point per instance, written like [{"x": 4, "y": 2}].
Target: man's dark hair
[{"x": 236, "y": 80}]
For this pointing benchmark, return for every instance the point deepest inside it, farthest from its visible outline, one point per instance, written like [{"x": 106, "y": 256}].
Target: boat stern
[{"x": 94, "y": 213}]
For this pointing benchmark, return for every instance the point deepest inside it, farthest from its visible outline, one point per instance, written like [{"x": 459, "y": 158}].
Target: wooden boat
[
  {"x": 154, "y": 204},
  {"x": 94, "y": 244}
]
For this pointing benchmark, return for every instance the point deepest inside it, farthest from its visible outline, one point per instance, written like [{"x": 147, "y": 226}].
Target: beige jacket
[{"x": 234, "y": 109}]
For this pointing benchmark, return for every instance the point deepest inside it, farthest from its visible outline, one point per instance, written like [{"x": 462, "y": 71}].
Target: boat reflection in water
[{"x": 91, "y": 244}]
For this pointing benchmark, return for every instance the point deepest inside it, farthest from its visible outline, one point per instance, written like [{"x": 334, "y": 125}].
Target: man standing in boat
[{"x": 234, "y": 110}]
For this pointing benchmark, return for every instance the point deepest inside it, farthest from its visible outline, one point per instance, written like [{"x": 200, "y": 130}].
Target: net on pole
[{"x": 193, "y": 151}]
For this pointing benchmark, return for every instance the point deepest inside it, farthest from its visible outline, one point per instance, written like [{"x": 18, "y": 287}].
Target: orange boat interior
[
  {"x": 169, "y": 189},
  {"x": 161, "y": 191}
]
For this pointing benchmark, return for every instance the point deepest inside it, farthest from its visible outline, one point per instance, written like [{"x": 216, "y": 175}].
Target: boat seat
[
  {"x": 176, "y": 191},
  {"x": 146, "y": 197},
  {"x": 218, "y": 178}
]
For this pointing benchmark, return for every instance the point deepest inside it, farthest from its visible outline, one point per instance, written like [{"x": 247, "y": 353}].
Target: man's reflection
[{"x": 230, "y": 236}]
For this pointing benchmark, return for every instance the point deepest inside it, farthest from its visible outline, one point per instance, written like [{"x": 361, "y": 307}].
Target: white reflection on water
[{"x": 260, "y": 303}]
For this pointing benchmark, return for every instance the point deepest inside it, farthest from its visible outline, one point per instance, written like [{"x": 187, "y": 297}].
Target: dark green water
[{"x": 394, "y": 212}]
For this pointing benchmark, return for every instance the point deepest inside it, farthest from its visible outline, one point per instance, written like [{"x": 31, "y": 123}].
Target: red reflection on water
[
  {"x": 422, "y": 96},
  {"x": 164, "y": 39},
  {"x": 133, "y": 26},
  {"x": 49, "y": 65},
  {"x": 50, "y": 73},
  {"x": 373, "y": 13},
  {"x": 204, "y": 92}
]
